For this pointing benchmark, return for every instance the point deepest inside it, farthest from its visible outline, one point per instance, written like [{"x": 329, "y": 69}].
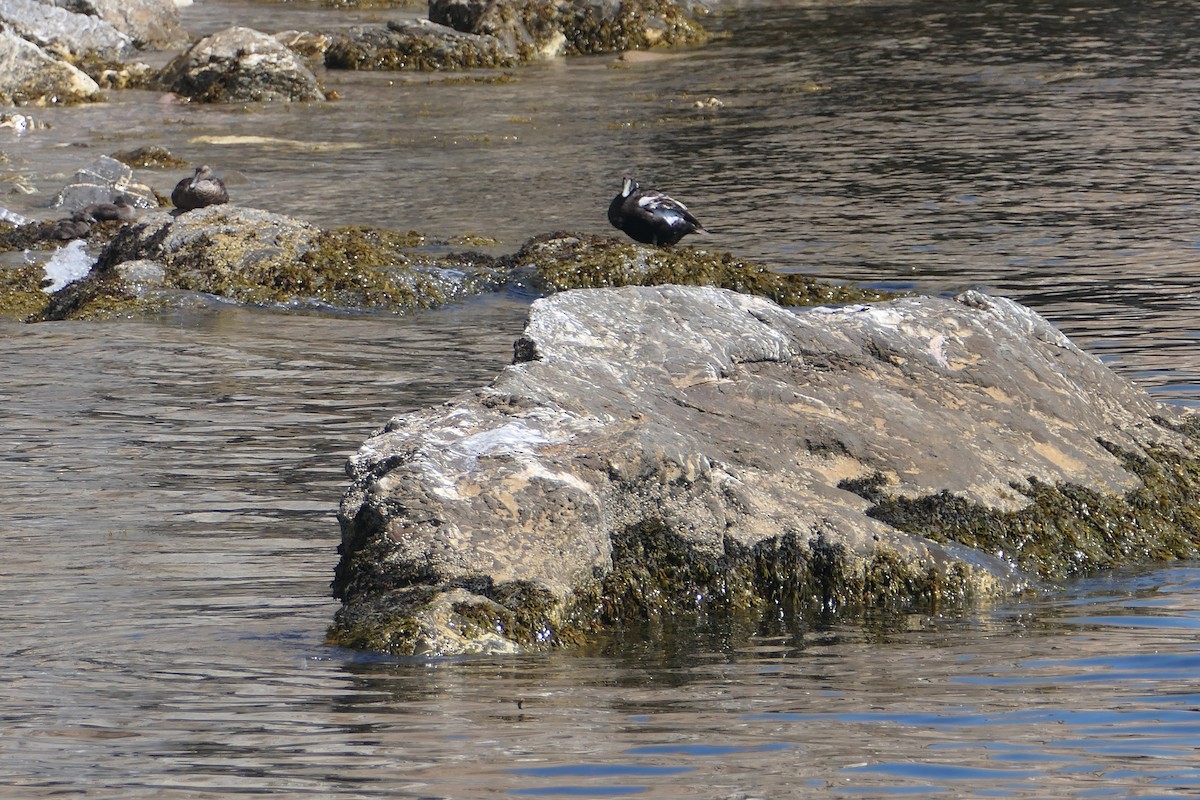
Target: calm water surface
[{"x": 170, "y": 485}]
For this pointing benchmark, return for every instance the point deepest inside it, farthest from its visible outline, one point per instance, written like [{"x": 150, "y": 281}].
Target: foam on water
[{"x": 68, "y": 264}]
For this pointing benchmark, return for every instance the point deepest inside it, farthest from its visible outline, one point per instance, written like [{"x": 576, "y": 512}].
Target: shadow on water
[{"x": 172, "y": 485}]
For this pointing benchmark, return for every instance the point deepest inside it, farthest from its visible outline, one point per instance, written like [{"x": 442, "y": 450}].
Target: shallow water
[{"x": 172, "y": 484}]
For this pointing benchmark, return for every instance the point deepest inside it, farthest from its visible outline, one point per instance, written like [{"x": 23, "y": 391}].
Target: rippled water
[{"x": 171, "y": 485}]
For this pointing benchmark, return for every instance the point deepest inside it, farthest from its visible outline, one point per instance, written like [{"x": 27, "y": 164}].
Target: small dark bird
[
  {"x": 119, "y": 209},
  {"x": 202, "y": 189},
  {"x": 77, "y": 227},
  {"x": 651, "y": 217}
]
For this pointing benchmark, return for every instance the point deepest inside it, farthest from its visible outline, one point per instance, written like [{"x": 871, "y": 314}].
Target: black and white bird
[
  {"x": 651, "y": 217},
  {"x": 202, "y": 189}
]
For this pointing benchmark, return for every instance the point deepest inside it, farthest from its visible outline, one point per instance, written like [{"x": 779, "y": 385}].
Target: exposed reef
[
  {"x": 559, "y": 261},
  {"x": 672, "y": 451},
  {"x": 249, "y": 256}
]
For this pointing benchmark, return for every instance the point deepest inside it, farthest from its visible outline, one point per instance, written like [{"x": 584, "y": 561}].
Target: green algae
[
  {"x": 533, "y": 28},
  {"x": 1066, "y": 529},
  {"x": 397, "y": 49},
  {"x": 348, "y": 267},
  {"x": 26, "y": 237},
  {"x": 658, "y": 573},
  {"x": 21, "y": 295},
  {"x": 634, "y": 26},
  {"x": 562, "y": 261},
  {"x": 98, "y": 299},
  {"x": 113, "y": 74},
  {"x": 394, "y": 634},
  {"x": 517, "y": 33},
  {"x": 520, "y": 612},
  {"x": 44, "y": 93}
]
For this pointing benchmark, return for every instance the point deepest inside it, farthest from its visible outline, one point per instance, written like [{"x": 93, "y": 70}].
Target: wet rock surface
[
  {"x": 556, "y": 262},
  {"x": 240, "y": 65},
  {"x": 546, "y": 28},
  {"x": 250, "y": 256},
  {"x": 254, "y": 257},
  {"x": 668, "y": 450},
  {"x": 421, "y": 45}
]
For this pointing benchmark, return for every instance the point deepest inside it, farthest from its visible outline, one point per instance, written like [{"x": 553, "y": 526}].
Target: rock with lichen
[
  {"x": 254, "y": 257},
  {"x": 672, "y": 452},
  {"x": 30, "y": 75},
  {"x": 559, "y": 261},
  {"x": 240, "y": 65},
  {"x": 546, "y": 28},
  {"x": 418, "y": 45}
]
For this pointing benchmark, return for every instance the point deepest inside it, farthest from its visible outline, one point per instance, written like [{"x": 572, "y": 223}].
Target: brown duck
[
  {"x": 202, "y": 189},
  {"x": 119, "y": 209}
]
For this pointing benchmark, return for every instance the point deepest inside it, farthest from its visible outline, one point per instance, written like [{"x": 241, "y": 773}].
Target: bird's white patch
[{"x": 660, "y": 203}]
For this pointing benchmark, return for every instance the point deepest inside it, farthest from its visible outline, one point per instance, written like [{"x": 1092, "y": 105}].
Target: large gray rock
[
  {"x": 31, "y": 76},
  {"x": 60, "y": 31},
  {"x": 240, "y": 65},
  {"x": 148, "y": 23},
  {"x": 666, "y": 449}
]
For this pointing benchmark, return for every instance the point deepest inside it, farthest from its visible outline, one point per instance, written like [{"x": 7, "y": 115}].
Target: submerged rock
[
  {"x": 240, "y": 65},
  {"x": 150, "y": 156},
  {"x": 662, "y": 450}
]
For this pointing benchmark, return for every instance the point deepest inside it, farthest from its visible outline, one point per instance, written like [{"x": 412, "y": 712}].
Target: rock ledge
[{"x": 660, "y": 450}]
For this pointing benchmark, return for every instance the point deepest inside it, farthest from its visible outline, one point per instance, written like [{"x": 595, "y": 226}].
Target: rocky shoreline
[{"x": 51, "y": 55}]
